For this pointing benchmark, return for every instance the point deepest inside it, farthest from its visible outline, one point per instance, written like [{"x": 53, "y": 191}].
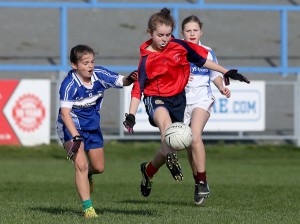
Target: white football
[{"x": 179, "y": 136}]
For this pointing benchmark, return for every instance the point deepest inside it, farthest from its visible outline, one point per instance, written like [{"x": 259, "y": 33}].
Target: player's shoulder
[
  {"x": 100, "y": 71},
  {"x": 99, "y": 68},
  {"x": 211, "y": 54},
  {"x": 69, "y": 81},
  {"x": 206, "y": 47},
  {"x": 178, "y": 42}
]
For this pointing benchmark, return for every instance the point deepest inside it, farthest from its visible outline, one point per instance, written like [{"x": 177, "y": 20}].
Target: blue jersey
[{"x": 85, "y": 102}]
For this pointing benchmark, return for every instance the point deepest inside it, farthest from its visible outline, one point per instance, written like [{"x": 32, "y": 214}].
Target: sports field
[{"x": 249, "y": 184}]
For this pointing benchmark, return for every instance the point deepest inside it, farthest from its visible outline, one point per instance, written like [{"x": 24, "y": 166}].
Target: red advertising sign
[
  {"x": 7, "y": 135},
  {"x": 24, "y": 112}
]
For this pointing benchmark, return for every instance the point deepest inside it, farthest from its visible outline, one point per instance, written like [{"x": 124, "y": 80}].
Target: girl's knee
[
  {"x": 82, "y": 167},
  {"x": 98, "y": 169},
  {"x": 197, "y": 139}
]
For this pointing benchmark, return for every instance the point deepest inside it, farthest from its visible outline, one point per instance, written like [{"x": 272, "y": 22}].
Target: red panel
[{"x": 7, "y": 135}]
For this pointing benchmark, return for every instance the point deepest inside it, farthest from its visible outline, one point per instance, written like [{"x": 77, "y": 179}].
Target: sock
[
  {"x": 151, "y": 170},
  {"x": 201, "y": 176},
  {"x": 87, "y": 204}
]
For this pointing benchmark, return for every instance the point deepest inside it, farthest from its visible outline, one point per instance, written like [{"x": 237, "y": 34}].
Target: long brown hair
[{"x": 162, "y": 17}]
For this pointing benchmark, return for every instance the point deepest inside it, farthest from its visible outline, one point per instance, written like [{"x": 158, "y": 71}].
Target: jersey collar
[
  {"x": 94, "y": 77},
  {"x": 78, "y": 80}
]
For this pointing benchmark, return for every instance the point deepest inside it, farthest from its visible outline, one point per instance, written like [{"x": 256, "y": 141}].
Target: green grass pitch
[{"x": 249, "y": 184}]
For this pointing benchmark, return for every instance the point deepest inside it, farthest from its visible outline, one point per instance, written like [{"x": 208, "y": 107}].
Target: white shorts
[{"x": 204, "y": 103}]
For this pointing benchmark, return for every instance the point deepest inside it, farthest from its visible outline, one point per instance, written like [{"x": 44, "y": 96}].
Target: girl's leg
[
  {"x": 166, "y": 154},
  {"x": 96, "y": 164},
  {"x": 81, "y": 172},
  {"x": 81, "y": 165},
  {"x": 96, "y": 159},
  {"x": 196, "y": 151},
  {"x": 163, "y": 121},
  {"x": 197, "y": 156}
]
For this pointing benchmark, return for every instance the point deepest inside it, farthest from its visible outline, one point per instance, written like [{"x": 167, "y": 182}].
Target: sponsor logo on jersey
[
  {"x": 197, "y": 70},
  {"x": 87, "y": 102}
]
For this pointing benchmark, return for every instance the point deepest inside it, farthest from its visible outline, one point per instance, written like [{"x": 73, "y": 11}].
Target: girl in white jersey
[
  {"x": 78, "y": 123},
  {"x": 199, "y": 102}
]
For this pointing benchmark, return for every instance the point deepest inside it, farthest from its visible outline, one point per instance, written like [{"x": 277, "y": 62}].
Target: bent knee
[{"x": 98, "y": 169}]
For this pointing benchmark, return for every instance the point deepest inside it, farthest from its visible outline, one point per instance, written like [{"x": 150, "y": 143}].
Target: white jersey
[{"x": 195, "y": 89}]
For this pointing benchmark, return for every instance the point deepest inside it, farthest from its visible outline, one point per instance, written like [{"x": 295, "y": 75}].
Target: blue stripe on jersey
[
  {"x": 75, "y": 120},
  {"x": 192, "y": 55},
  {"x": 66, "y": 96},
  {"x": 76, "y": 78},
  {"x": 214, "y": 58},
  {"x": 94, "y": 77},
  {"x": 142, "y": 73},
  {"x": 106, "y": 77}
]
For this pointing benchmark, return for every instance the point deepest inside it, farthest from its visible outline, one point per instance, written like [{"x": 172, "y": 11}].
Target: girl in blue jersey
[
  {"x": 199, "y": 102},
  {"x": 78, "y": 124}
]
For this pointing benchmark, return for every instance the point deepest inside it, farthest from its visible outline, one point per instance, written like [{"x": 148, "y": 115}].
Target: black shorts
[{"x": 174, "y": 104}]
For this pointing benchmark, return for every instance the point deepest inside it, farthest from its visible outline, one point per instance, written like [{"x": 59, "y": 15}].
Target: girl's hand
[
  {"x": 233, "y": 74},
  {"x": 133, "y": 76},
  {"x": 129, "y": 123},
  {"x": 225, "y": 91}
]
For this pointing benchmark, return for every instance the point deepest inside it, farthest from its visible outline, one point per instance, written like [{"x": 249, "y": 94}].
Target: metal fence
[{"x": 283, "y": 68}]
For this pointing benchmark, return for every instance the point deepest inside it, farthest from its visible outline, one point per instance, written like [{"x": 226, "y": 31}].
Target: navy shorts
[
  {"x": 92, "y": 139},
  {"x": 174, "y": 104}
]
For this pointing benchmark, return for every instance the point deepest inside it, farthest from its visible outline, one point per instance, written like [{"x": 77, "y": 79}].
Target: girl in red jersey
[{"x": 164, "y": 70}]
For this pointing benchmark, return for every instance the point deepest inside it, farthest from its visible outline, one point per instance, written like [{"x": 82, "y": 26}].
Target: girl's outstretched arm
[{"x": 232, "y": 73}]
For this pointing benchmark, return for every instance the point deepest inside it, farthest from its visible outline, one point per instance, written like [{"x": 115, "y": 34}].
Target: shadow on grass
[
  {"x": 56, "y": 210},
  {"x": 179, "y": 203},
  {"x": 63, "y": 211},
  {"x": 127, "y": 212}
]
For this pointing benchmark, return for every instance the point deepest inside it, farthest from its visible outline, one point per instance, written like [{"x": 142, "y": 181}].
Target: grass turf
[{"x": 249, "y": 184}]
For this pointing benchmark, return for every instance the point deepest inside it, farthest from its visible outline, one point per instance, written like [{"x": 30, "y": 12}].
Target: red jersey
[{"x": 166, "y": 73}]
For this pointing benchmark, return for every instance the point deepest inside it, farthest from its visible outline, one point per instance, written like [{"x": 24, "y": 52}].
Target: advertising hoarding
[
  {"x": 25, "y": 112},
  {"x": 243, "y": 111}
]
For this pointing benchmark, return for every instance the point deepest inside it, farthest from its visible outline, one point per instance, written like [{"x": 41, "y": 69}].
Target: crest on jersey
[
  {"x": 176, "y": 57},
  {"x": 159, "y": 102}
]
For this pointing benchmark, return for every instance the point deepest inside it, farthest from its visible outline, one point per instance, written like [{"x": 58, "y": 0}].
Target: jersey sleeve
[
  {"x": 138, "y": 86},
  {"x": 197, "y": 54},
  {"x": 214, "y": 74},
  {"x": 109, "y": 79},
  {"x": 136, "y": 90},
  {"x": 68, "y": 104},
  {"x": 67, "y": 92}
]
